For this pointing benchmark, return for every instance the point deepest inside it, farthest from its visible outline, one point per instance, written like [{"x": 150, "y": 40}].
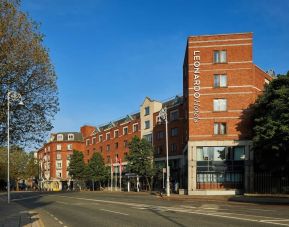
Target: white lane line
[
  {"x": 60, "y": 222},
  {"x": 215, "y": 214},
  {"x": 115, "y": 212},
  {"x": 274, "y": 223},
  {"x": 276, "y": 220},
  {"x": 62, "y": 202}
]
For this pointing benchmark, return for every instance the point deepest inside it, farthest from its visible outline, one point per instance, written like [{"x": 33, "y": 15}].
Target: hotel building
[
  {"x": 209, "y": 127},
  {"x": 220, "y": 82},
  {"x": 54, "y": 158}
]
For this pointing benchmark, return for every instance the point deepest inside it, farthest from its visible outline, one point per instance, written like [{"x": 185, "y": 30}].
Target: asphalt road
[{"x": 133, "y": 209}]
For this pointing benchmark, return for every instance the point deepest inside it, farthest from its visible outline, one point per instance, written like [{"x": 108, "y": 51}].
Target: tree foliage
[
  {"x": 25, "y": 68},
  {"x": 96, "y": 169},
  {"x": 76, "y": 166},
  {"x": 23, "y": 165},
  {"x": 140, "y": 159},
  {"x": 271, "y": 127}
]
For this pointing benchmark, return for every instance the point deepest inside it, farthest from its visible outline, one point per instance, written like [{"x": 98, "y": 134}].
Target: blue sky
[{"x": 110, "y": 54}]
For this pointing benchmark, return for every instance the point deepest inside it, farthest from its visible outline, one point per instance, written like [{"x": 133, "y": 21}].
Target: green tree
[
  {"x": 3, "y": 163},
  {"x": 271, "y": 127},
  {"x": 25, "y": 68},
  {"x": 96, "y": 169},
  {"x": 32, "y": 169},
  {"x": 140, "y": 159},
  {"x": 23, "y": 165},
  {"x": 76, "y": 166}
]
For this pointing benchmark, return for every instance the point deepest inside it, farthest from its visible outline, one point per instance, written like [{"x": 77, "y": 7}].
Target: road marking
[
  {"x": 176, "y": 209},
  {"x": 62, "y": 202},
  {"x": 276, "y": 220},
  {"x": 55, "y": 218},
  {"x": 116, "y": 212}
]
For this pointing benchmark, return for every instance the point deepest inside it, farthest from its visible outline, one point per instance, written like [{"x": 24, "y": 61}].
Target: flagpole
[
  {"x": 115, "y": 186},
  {"x": 120, "y": 172},
  {"x": 111, "y": 175}
]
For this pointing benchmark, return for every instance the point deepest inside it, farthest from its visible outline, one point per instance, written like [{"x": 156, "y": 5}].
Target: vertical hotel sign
[{"x": 197, "y": 85}]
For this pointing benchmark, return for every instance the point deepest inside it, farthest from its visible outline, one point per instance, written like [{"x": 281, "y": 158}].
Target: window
[
  {"x": 220, "y": 104},
  {"x": 173, "y": 147},
  {"x": 239, "y": 153},
  {"x": 220, "y": 56},
  {"x": 59, "y": 137},
  {"x": 220, "y": 128},
  {"x": 135, "y": 127},
  {"x": 108, "y": 136},
  {"x": 58, "y": 147},
  {"x": 70, "y": 136},
  {"x": 160, "y": 135},
  {"x": 125, "y": 143},
  {"x": 87, "y": 142},
  {"x": 108, "y": 147},
  {"x": 94, "y": 140},
  {"x": 68, "y": 157},
  {"x": 48, "y": 149},
  {"x": 159, "y": 150},
  {"x": 69, "y": 147},
  {"x": 125, "y": 130},
  {"x": 116, "y": 134},
  {"x": 108, "y": 158},
  {"x": 147, "y": 110},
  {"x": 148, "y": 137},
  {"x": 267, "y": 81},
  {"x": 100, "y": 149},
  {"x": 116, "y": 145},
  {"x": 58, "y": 174},
  {"x": 100, "y": 138},
  {"x": 174, "y": 115},
  {"x": 211, "y": 153},
  {"x": 174, "y": 131},
  {"x": 221, "y": 153},
  {"x": 58, "y": 156},
  {"x": 147, "y": 124},
  {"x": 220, "y": 80},
  {"x": 58, "y": 165}
]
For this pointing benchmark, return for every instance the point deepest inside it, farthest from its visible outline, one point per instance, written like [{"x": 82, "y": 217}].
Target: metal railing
[{"x": 268, "y": 183}]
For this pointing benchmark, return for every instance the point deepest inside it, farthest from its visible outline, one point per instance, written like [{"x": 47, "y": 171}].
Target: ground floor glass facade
[{"x": 220, "y": 167}]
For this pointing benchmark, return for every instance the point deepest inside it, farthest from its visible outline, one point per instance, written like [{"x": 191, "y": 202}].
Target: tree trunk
[
  {"x": 92, "y": 185},
  {"x": 17, "y": 186},
  {"x": 148, "y": 183}
]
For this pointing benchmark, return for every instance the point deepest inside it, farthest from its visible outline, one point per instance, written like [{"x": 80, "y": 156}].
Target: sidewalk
[
  {"x": 14, "y": 214},
  {"x": 257, "y": 199},
  {"x": 247, "y": 198}
]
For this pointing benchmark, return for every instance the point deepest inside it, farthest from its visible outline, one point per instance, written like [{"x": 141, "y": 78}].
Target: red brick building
[
  {"x": 220, "y": 82},
  {"x": 54, "y": 158},
  {"x": 209, "y": 127}
]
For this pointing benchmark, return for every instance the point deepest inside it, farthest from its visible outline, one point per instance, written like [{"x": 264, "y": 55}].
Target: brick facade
[{"x": 220, "y": 83}]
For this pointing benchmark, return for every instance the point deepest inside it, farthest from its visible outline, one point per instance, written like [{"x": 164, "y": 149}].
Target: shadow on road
[
  {"x": 20, "y": 212},
  {"x": 168, "y": 218}
]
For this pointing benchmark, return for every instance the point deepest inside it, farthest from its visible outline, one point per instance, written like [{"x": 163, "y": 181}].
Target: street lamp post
[
  {"x": 11, "y": 96},
  {"x": 164, "y": 116}
]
